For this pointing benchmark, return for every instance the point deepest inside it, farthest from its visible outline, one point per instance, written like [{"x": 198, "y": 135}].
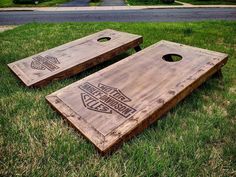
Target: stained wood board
[
  {"x": 73, "y": 57},
  {"x": 113, "y": 104}
]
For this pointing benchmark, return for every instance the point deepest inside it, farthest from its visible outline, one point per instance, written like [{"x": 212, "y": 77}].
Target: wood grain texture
[
  {"x": 74, "y": 57},
  {"x": 114, "y": 104}
]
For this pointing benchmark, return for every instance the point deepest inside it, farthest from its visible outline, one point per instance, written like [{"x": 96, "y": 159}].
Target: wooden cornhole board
[
  {"x": 121, "y": 100},
  {"x": 73, "y": 57}
]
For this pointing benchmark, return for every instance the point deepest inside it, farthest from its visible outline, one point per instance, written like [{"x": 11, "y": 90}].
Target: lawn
[
  {"x": 196, "y": 138},
  {"x": 210, "y": 2},
  {"x": 149, "y": 2},
  {"x": 9, "y": 3}
]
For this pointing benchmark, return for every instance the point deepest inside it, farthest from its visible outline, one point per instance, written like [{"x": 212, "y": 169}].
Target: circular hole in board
[
  {"x": 172, "y": 57},
  {"x": 104, "y": 39}
]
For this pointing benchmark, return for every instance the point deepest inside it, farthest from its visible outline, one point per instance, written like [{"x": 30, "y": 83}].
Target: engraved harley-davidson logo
[
  {"x": 47, "y": 62},
  {"x": 105, "y": 99}
]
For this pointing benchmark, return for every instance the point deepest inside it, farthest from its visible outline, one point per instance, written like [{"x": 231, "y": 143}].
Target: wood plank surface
[
  {"x": 113, "y": 104},
  {"x": 73, "y": 57}
]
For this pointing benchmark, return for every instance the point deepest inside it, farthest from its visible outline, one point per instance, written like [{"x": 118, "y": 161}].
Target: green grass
[
  {"x": 196, "y": 138},
  {"x": 149, "y": 2},
  {"x": 9, "y": 3},
  {"x": 210, "y": 2},
  {"x": 95, "y": 2}
]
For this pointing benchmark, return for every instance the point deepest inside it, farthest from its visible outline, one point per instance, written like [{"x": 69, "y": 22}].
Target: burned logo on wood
[
  {"x": 48, "y": 62},
  {"x": 105, "y": 99}
]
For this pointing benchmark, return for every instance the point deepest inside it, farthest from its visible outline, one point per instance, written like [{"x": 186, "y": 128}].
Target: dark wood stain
[
  {"x": 72, "y": 58},
  {"x": 151, "y": 85}
]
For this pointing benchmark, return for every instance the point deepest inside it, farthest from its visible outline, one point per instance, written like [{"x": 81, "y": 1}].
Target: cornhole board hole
[
  {"x": 121, "y": 100},
  {"x": 73, "y": 57}
]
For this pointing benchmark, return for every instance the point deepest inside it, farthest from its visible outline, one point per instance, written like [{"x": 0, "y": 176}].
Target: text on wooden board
[
  {"x": 47, "y": 62},
  {"x": 105, "y": 99}
]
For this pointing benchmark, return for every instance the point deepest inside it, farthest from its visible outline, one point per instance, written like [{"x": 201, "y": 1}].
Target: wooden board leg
[
  {"x": 137, "y": 48},
  {"x": 218, "y": 74}
]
